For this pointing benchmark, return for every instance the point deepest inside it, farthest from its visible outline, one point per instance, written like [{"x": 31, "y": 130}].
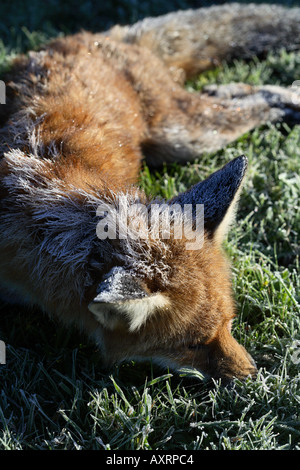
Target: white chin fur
[{"x": 136, "y": 312}]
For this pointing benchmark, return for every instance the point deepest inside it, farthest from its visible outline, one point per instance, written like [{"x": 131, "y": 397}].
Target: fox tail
[{"x": 196, "y": 40}]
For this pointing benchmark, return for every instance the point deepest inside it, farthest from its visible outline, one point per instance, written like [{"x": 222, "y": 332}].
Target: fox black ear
[
  {"x": 118, "y": 286},
  {"x": 219, "y": 194}
]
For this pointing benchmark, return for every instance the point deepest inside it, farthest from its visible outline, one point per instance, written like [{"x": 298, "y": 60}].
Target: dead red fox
[{"x": 80, "y": 117}]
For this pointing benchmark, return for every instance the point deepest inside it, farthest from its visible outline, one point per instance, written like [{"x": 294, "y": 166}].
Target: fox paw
[{"x": 276, "y": 102}]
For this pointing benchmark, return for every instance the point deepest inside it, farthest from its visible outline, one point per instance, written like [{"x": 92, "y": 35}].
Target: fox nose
[
  {"x": 240, "y": 365},
  {"x": 250, "y": 371},
  {"x": 252, "y": 362},
  {"x": 254, "y": 370}
]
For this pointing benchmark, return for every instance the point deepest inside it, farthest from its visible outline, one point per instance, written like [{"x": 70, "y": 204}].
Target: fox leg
[
  {"x": 208, "y": 121},
  {"x": 179, "y": 125}
]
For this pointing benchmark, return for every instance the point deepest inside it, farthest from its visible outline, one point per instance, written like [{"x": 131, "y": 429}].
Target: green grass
[{"x": 54, "y": 391}]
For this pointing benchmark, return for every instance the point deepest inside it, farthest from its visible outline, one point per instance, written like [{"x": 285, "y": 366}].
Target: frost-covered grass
[{"x": 54, "y": 392}]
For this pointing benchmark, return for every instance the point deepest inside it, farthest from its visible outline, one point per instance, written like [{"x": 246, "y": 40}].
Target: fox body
[{"x": 81, "y": 114}]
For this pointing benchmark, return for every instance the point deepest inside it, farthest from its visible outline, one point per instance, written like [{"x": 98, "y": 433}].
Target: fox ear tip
[
  {"x": 242, "y": 157},
  {"x": 238, "y": 166},
  {"x": 243, "y": 161}
]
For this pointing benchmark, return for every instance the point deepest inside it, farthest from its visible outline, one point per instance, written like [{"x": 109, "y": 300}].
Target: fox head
[
  {"x": 170, "y": 299},
  {"x": 154, "y": 282}
]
